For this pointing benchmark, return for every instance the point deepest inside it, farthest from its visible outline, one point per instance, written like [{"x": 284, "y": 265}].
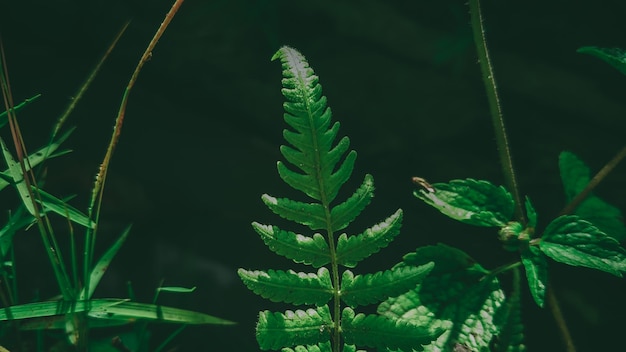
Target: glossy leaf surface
[{"x": 470, "y": 201}]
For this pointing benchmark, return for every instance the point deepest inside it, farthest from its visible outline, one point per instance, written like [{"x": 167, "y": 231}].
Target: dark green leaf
[
  {"x": 613, "y": 56},
  {"x": 102, "y": 265},
  {"x": 384, "y": 332},
  {"x": 457, "y": 296},
  {"x": 301, "y": 249},
  {"x": 575, "y": 176},
  {"x": 373, "y": 288},
  {"x": 511, "y": 337},
  {"x": 352, "y": 249},
  {"x": 569, "y": 239},
  {"x": 290, "y": 286},
  {"x": 536, "y": 267},
  {"x": 470, "y": 201},
  {"x": 278, "y": 330},
  {"x": 531, "y": 213}
]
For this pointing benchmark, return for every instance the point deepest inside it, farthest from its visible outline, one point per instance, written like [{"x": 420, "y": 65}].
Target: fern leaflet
[{"x": 322, "y": 165}]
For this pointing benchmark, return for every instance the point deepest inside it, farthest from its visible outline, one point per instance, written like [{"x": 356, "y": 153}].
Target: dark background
[{"x": 204, "y": 123}]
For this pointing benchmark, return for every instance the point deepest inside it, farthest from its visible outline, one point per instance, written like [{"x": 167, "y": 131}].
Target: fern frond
[
  {"x": 308, "y": 214},
  {"x": 321, "y": 347},
  {"x": 278, "y": 330},
  {"x": 289, "y": 286},
  {"x": 372, "y": 288},
  {"x": 343, "y": 214},
  {"x": 313, "y": 152},
  {"x": 382, "y": 332},
  {"x": 312, "y": 251},
  {"x": 352, "y": 249}
]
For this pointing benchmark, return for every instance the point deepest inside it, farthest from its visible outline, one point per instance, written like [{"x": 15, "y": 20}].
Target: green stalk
[
  {"x": 497, "y": 118},
  {"x": 505, "y": 152}
]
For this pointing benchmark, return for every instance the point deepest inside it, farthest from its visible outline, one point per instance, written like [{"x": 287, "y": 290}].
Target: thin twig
[{"x": 569, "y": 208}]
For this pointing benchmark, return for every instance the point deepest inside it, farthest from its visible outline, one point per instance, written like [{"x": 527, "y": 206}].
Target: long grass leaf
[
  {"x": 132, "y": 311},
  {"x": 101, "y": 266},
  {"x": 18, "y": 178},
  {"x": 4, "y": 115},
  {"x": 60, "y": 207}
]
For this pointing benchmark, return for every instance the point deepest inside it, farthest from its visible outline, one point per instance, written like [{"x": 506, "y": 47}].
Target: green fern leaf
[
  {"x": 456, "y": 296},
  {"x": 322, "y": 347},
  {"x": 308, "y": 214},
  {"x": 343, "y": 214},
  {"x": 352, "y": 249},
  {"x": 301, "y": 249},
  {"x": 383, "y": 332},
  {"x": 278, "y": 330},
  {"x": 308, "y": 115},
  {"x": 372, "y": 288},
  {"x": 289, "y": 286}
]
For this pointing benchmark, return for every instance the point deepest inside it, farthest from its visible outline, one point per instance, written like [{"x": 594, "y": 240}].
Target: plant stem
[
  {"x": 504, "y": 151},
  {"x": 96, "y": 194},
  {"x": 494, "y": 106},
  {"x": 594, "y": 182}
]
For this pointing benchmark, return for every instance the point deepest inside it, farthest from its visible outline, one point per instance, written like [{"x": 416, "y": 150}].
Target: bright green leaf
[
  {"x": 457, "y": 296},
  {"x": 52, "y": 203},
  {"x": 470, "y": 201},
  {"x": 308, "y": 214},
  {"x": 344, "y": 213},
  {"x": 312, "y": 148},
  {"x": 37, "y": 158},
  {"x": 384, "y": 332},
  {"x": 569, "y": 239},
  {"x": 320, "y": 347},
  {"x": 530, "y": 213},
  {"x": 613, "y": 56},
  {"x": 290, "y": 286},
  {"x": 18, "y": 179},
  {"x": 312, "y": 251},
  {"x": 278, "y": 330},
  {"x": 372, "y": 288},
  {"x": 536, "y": 267},
  {"x": 352, "y": 249}
]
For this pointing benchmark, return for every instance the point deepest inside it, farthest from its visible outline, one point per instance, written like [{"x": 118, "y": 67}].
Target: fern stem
[{"x": 495, "y": 108}]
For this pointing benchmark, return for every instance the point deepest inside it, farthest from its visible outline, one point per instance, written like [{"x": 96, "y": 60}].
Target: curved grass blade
[
  {"x": 4, "y": 115},
  {"x": 102, "y": 265}
]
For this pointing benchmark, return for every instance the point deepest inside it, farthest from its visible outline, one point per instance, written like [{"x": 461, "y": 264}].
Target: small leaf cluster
[
  {"x": 318, "y": 166},
  {"x": 587, "y": 238}
]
